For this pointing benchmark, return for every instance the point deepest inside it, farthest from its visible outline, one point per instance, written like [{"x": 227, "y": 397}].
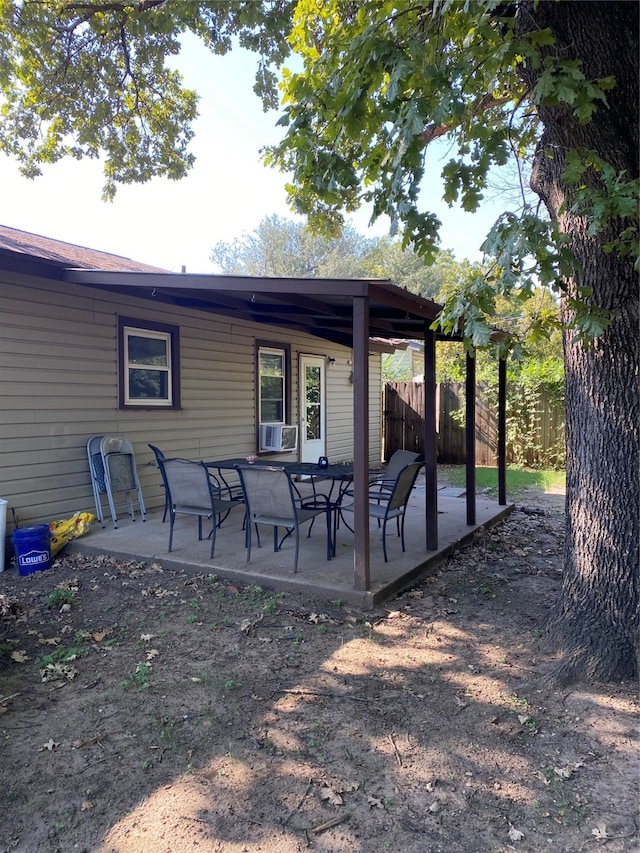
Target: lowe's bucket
[{"x": 33, "y": 548}]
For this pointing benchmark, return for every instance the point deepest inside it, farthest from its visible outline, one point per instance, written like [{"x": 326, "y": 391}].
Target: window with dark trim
[
  {"x": 149, "y": 364},
  {"x": 273, "y": 382}
]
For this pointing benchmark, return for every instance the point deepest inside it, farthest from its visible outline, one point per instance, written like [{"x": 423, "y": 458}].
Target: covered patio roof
[
  {"x": 321, "y": 307},
  {"x": 353, "y": 313}
]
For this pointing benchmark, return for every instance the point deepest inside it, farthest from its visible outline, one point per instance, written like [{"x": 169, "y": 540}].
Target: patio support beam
[
  {"x": 430, "y": 440},
  {"x": 470, "y": 436},
  {"x": 361, "y": 562},
  {"x": 502, "y": 432}
]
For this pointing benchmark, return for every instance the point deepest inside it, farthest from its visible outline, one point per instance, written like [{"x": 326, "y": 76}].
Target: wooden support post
[
  {"x": 502, "y": 432},
  {"x": 470, "y": 437},
  {"x": 430, "y": 440},
  {"x": 361, "y": 561}
]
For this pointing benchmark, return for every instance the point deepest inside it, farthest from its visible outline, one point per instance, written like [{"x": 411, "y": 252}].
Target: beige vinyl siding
[{"x": 59, "y": 385}]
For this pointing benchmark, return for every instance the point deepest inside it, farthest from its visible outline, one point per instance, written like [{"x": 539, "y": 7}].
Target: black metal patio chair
[
  {"x": 393, "y": 504},
  {"x": 191, "y": 492},
  {"x": 272, "y": 499},
  {"x": 160, "y": 457}
]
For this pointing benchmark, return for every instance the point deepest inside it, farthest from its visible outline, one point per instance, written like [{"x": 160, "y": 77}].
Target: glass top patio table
[{"x": 338, "y": 473}]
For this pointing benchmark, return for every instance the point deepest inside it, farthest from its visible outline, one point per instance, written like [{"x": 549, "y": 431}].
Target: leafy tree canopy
[
  {"x": 91, "y": 79},
  {"x": 380, "y": 83},
  {"x": 283, "y": 247},
  {"x": 383, "y": 80}
]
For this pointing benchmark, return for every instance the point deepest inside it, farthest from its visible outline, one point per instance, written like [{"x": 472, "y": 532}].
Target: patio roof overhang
[{"x": 321, "y": 307}]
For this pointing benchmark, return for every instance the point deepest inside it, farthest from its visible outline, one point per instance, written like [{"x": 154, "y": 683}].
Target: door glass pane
[{"x": 313, "y": 391}]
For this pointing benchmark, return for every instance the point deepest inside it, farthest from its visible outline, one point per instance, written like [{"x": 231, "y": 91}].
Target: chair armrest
[{"x": 315, "y": 501}]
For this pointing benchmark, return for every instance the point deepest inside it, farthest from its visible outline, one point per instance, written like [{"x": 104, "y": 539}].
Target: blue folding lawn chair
[{"x": 114, "y": 474}]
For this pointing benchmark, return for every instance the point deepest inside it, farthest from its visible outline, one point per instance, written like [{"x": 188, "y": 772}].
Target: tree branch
[{"x": 434, "y": 131}]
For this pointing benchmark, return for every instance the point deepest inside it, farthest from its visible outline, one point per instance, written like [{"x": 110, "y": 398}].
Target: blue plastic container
[{"x": 32, "y": 546}]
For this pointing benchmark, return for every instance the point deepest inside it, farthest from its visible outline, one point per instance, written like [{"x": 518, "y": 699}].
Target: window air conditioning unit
[{"x": 278, "y": 437}]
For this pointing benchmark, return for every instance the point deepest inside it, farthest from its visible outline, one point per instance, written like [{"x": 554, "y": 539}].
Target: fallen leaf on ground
[
  {"x": 563, "y": 772},
  {"x": 331, "y": 796},
  {"x": 20, "y": 656},
  {"x": 600, "y": 832},
  {"x": 375, "y": 803},
  {"x": 58, "y": 670},
  {"x": 48, "y": 641},
  {"x": 71, "y": 584},
  {"x": 50, "y": 745},
  {"x": 78, "y": 744},
  {"x": 247, "y": 624},
  {"x": 515, "y": 834},
  {"x": 318, "y": 617}
]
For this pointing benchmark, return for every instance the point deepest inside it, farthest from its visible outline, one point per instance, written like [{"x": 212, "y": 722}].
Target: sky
[{"x": 175, "y": 224}]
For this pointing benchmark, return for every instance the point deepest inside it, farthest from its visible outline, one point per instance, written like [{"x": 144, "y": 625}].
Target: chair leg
[
  {"x": 247, "y": 540},
  {"x": 384, "y": 540},
  {"x": 141, "y": 506},
  {"x": 213, "y": 536},
  {"x": 295, "y": 562},
  {"x": 172, "y": 517},
  {"x": 111, "y": 501}
]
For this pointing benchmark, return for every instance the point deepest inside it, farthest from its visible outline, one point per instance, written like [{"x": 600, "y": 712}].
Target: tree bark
[{"x": 595, "y": 623}]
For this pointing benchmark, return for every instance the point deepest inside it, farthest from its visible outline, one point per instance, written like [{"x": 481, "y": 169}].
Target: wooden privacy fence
[{"x": 403, "y": 426}]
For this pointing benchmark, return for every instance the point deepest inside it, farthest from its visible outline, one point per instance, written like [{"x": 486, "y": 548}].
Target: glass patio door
[{"x": 312, "y": 408}]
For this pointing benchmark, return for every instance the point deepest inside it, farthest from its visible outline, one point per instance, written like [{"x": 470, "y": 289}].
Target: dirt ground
[{"x": 151, "y": 711}]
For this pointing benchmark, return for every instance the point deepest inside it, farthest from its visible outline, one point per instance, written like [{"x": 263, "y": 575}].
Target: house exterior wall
[{"x": 59, "y": 385}]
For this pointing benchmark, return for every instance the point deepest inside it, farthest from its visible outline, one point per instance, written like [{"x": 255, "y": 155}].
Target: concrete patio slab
[{"x": 316, "y": 577}]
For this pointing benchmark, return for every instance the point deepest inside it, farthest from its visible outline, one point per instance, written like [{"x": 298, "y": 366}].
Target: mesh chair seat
[
  {"x": 392, "y": 504},
  {"x": 271, "y": 499},
  {"x": 191, "y": 493}
]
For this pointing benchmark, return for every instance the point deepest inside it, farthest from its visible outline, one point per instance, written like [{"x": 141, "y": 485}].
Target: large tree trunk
[{"x": 595, "y": 624}]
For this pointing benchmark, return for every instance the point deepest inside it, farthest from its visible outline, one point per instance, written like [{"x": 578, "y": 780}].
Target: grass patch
[
  {"x": 138, "y": 680},
  {"x": 62, "y": 655},
  {"x": 518, "y": 479},
  {"x": 59, "y": 597}
]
